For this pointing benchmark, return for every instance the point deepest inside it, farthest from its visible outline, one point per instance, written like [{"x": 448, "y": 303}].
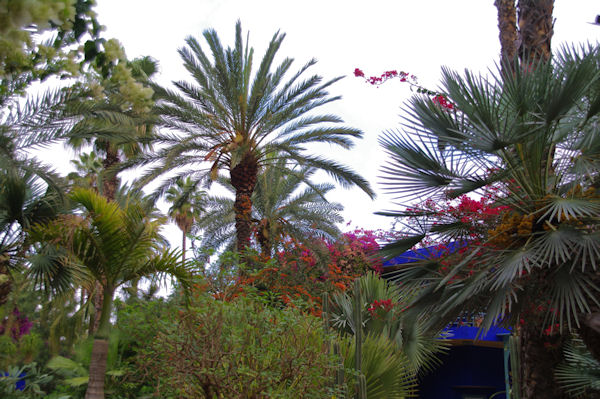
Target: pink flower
[{"x": 358, "y": 73}]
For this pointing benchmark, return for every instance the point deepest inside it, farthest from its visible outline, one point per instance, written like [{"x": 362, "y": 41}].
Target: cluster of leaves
[
  {"x": 23, "y": 58},
  {"x": 239, "y": 349}
]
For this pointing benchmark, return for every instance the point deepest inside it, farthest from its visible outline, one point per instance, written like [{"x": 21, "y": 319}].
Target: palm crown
[
  {"x": 528, "y": 140},
  {"x": 531, "y": 137},
  {"x": 237, "y": 121}
]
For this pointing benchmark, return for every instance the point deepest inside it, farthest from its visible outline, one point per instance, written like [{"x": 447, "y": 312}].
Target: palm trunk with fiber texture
[
  {"x": 540, "y": 354},
  {"x": 263, "y": 238},
  {"x": 507, "y": 24},
  {"x": 536, "y": 27},
  {"x": 5, "y": 282},
  {"x": 243, "y": 179},
  {"x": 95, "y": 389},
  {"x": 183, "y": 248},
  {"x": 525, "y": 30}
]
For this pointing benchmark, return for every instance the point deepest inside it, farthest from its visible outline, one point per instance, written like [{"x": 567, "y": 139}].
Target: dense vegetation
[{"x": 273, "y": 300}]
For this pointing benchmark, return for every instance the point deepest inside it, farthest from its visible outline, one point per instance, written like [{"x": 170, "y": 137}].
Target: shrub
[{"x": 240, "y": 349}]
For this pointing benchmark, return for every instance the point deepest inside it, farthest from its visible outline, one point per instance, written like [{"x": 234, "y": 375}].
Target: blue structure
[
  {"x": 476, "y": 365},
  {"x": 20, "y": 384}
]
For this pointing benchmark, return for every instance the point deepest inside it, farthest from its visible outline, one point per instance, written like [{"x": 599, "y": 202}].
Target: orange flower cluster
[{"x": 298, "y": 276}]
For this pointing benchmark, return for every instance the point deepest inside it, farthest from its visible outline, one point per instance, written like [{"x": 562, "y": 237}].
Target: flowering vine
[{"x": 438, "y": 98}]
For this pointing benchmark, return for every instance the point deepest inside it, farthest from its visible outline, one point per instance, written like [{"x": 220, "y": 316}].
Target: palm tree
[
  {"x": 383, "y": 315},
  {"x": 187, "y": 206},
  {"x": 284, "y": 206},
  {"x": 88, "y": 168},
  {"x": 117, "y": 124},
  {"x": 238, "y": 121},
  {"x": 24, "y": 201},
  {"x": 529, "y": 139},
  {"x": 525, "y": 30},
  {"x": 111, "y": 244}
]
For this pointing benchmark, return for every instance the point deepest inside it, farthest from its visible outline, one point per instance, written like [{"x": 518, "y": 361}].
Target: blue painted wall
[{"x": 465, "y": 366}]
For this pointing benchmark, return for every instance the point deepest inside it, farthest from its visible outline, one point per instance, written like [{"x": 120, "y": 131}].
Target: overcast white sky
[{"x": 417, "y": 36}]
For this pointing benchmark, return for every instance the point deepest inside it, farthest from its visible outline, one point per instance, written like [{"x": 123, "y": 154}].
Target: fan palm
[
  {"x": 238, "y": 121},
  {"x": 283, "y": 206},
  {"x": 187, "y": 206},
  {"x": 24, "y": 201},
  {"x": 579, "y": 374},
  {"x": 109, "y": 244},
  {"x": 383, "y": 314},
  {"x": 529, "y": 138},
  {"x": 387, "y": 372}
]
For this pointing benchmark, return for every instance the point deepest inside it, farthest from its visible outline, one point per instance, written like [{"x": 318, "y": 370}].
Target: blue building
[{"x": 476, "y": 366}]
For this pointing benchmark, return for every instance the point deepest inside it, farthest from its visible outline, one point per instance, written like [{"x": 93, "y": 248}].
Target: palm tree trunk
[
  {"x": 243, "y": 179},
  {"x": 540, "y": 354},
  {"x": 536, "y": 27},
  {"x": 5, "y": 281},
  {"x": 183, "y": 248},
  {"x": 507, "y": 24},
  {"x": 110, "y": 183},
  {"x": 263, "y": 237},
  {"x": 95, "y": 389},
  {"x": 531, "y": 37}
]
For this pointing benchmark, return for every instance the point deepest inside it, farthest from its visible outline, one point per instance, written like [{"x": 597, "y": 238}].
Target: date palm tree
[
  {"x": 529, "y": 139},
  {"x": 232, "y": 119},
  {"x": 187, "y": 206},
  {"x": 88, "y": 168},
  {"x": 283, "y": 206},
  {"x": 110, "y": 243}
]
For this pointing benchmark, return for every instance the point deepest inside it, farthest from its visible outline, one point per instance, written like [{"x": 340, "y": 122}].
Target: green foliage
[
  {"x": 34, "y": 380},
  {"x": 8, "y": 350},
  {"x": 286, "y": 204},
  {"x": 528, "y": 140},
  {"x": 239, "y": 349},
  {"x": 579, "y": 374},
  {"x": 23, "y": 58},
  {"x": 382, "y": 314},
  {"x": 387, "y": 371},
  {"x": 138, "y": 323}
]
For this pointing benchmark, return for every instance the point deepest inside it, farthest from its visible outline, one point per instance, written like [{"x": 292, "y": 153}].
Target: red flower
[{"x": 358, "y": 73}]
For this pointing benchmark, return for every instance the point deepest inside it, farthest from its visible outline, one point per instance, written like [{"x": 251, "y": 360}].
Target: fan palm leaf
[{"x": 528, "y": 139}]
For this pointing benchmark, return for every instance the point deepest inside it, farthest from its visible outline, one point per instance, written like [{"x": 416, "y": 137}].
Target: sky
[{"x": 418, "y": 36}]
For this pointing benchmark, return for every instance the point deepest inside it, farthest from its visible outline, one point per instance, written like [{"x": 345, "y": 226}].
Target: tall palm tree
[
  {"x": 187, "y": 206},
  {"x": 111, "y": 244},
  {"x": 88, "y": 167},
  {"x": 528, "y": 138},
  {"x": 526, "y": 29},
  {"x": 117, "y": 126},
  {"x": 116, "y": 123},
  {"x": 284, "y": 206},
  {"x": 231, "y": 119}
]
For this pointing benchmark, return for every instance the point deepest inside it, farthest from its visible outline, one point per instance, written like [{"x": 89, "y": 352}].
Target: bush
[{"x": 240, "y": 349}]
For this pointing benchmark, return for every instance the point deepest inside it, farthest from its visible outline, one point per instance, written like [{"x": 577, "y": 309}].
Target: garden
[{"x": 266, "y": 291}]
